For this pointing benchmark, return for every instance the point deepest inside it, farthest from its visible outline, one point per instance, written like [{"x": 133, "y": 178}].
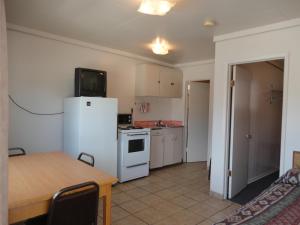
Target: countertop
[{"x": 170, "y": 127}]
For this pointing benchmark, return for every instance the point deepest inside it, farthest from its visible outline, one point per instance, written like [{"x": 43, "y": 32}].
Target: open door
[
  {"x": 240, "y": 128},
  {"x": 198, "y": 117}
]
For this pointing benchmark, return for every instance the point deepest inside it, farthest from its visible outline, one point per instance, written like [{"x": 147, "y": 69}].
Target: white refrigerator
[{"x": 90, "y": 125}]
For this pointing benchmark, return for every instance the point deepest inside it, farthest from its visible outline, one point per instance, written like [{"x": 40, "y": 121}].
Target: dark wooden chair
[
  {"x": 16, "y": 152},
  {"x": 83, "y": 158},
  {"x": 75, "y": 205}
]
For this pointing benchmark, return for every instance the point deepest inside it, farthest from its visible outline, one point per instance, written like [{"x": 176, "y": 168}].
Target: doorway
[
  {"x": 255, "y": 128},
  {"x": 197, "y": 111}
]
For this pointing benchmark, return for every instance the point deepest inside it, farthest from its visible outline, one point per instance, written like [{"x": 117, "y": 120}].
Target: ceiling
[{"x": 117, "y": 24}]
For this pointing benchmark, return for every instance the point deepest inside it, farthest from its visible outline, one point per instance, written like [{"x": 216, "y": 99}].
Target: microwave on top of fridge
[{"x": 90, "y": 83}]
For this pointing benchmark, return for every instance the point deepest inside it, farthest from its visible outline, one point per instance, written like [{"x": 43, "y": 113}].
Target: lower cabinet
[
  {"x": 156, "y": 150},
  {"x": 166, "y": 147}
]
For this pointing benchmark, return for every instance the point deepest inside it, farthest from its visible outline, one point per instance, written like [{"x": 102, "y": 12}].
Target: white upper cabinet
[
  {"x": 159, "y": 81},
  {"x": 147, "y": 80},
  {"x": 170, "y": 82}
]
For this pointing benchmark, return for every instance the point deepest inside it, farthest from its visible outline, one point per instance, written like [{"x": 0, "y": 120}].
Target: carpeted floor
[{"x": 254, "y": 189}]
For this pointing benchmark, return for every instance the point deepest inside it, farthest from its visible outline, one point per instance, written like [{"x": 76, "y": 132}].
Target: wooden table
[{"x": 34, "y": 178}]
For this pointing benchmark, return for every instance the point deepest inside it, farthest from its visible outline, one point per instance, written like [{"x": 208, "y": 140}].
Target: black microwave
[
  {"x": 89, "y": 82},
  {"x": 124, "y": 119}
]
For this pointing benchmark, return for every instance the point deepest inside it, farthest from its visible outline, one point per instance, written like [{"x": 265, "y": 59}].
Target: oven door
[{"x": 136, "y": 149}]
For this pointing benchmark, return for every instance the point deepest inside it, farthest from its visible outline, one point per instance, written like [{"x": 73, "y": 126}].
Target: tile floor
[{"x": 176, "y": 195}]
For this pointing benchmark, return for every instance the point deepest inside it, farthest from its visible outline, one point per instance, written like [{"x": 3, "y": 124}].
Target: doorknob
[{"x": 248, "y": 136}]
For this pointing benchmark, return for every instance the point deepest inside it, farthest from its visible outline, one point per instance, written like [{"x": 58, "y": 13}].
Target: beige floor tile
[
  {"x": 167, "y": 194},
  {"x": 134, "y": 206},
  {"x": 180, "y": 189},
  {"x": 137, "y": 193},
  {"x": 218, "y": 217},
  {"x": 164, "y": 175},
  {"x": 203, "y": 210},
  {"x": 183, "y": 201},
  {"x": 127, "y": 186},
  {"x": 166, "y": 184},
  {"x": 142, "y": 182},
  {"x": 152, "y": 200},
  {"x": 231, "y": 209},
  {"x": 205, "y": 189},
  {"x": 118, "y": 213},
  {"x": 151, "y": 215},
  {"x": 155, "y": 179},
  {"x": 129, "y": 220},
  {"x": 181, "y": 218},
  {"x": 176, "y": 195},
  {"x": 168, "y": 208},
  {"x": 120, "y": 198},
  {"x": 198, "y": 196},
  {"x": 217, "y": 203},
  {"x": 116, "y": 190},
  {"x": 100, "y": 221},
  {"x": 153, "y": 187}
]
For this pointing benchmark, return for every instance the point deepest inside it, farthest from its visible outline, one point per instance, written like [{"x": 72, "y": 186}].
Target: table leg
[{"x": 107, "y": 205}]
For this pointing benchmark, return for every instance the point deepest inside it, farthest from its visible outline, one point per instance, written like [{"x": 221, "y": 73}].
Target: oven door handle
[
  {"x": 140, "y": 164},
  {"x": 137, "y": 134}
]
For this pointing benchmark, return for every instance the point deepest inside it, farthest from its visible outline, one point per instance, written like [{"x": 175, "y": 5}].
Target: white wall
[
  {"x": 256, "y": 44},
  {"x": 160, "y": 109},
  {"x": 265, "y": 120},
  {"x": 41, "y": 75}
]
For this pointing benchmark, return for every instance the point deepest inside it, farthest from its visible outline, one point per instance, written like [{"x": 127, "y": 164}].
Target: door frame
[
  {"x": 230, "y": 65},
  {"x": 186, "y": 117}
]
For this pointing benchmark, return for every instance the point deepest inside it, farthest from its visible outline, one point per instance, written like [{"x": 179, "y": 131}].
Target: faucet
[{"x": 160, "y": 124}]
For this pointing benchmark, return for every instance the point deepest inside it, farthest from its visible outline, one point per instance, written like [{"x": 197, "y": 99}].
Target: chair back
[
  {"x": 16, "y": 152},
  {"x": 83, "y": 158},
  {"x": 75, "y": 205}
]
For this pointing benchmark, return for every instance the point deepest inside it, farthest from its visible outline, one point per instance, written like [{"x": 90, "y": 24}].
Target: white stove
[{"x": 133, "y": 152}]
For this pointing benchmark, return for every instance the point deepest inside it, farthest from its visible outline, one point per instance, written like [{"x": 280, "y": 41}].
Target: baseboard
[{"x": 269, "y": 172}]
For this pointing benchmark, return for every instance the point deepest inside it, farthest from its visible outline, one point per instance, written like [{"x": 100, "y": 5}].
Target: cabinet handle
[{"x": 172, "y": 83}]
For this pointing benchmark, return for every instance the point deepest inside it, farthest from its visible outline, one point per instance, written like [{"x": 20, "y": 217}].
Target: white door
[
  {"x": 240, "y": 128},
  {"x": 198, "y": 115}
]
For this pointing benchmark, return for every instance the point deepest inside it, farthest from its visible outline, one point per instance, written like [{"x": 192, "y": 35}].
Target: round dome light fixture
[
  {"x": 209, "y": 23},
  {"x": 160, "y": 47}
]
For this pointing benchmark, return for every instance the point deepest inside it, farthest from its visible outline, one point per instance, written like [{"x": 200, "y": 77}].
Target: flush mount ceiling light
[
  {"x": 209, "y": 23},
  {"x": 156, "y": 7},
  {"x": 160, "y": 47}
]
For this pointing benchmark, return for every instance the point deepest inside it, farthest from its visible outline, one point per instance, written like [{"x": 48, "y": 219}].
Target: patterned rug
[{"x": 279, "y": 204}]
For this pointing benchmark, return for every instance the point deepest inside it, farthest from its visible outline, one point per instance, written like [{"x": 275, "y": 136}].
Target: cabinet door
[
  {"x": 147, "y": 80},
  {"x": 165, "y": 77},
  {"x": 170, "y": 82},
  {"x": 169, "y": 149},
  {"x": 176, "y": 84},
  {"x": 178, "y": 145},
  {"x": 156, "y": 151}
]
